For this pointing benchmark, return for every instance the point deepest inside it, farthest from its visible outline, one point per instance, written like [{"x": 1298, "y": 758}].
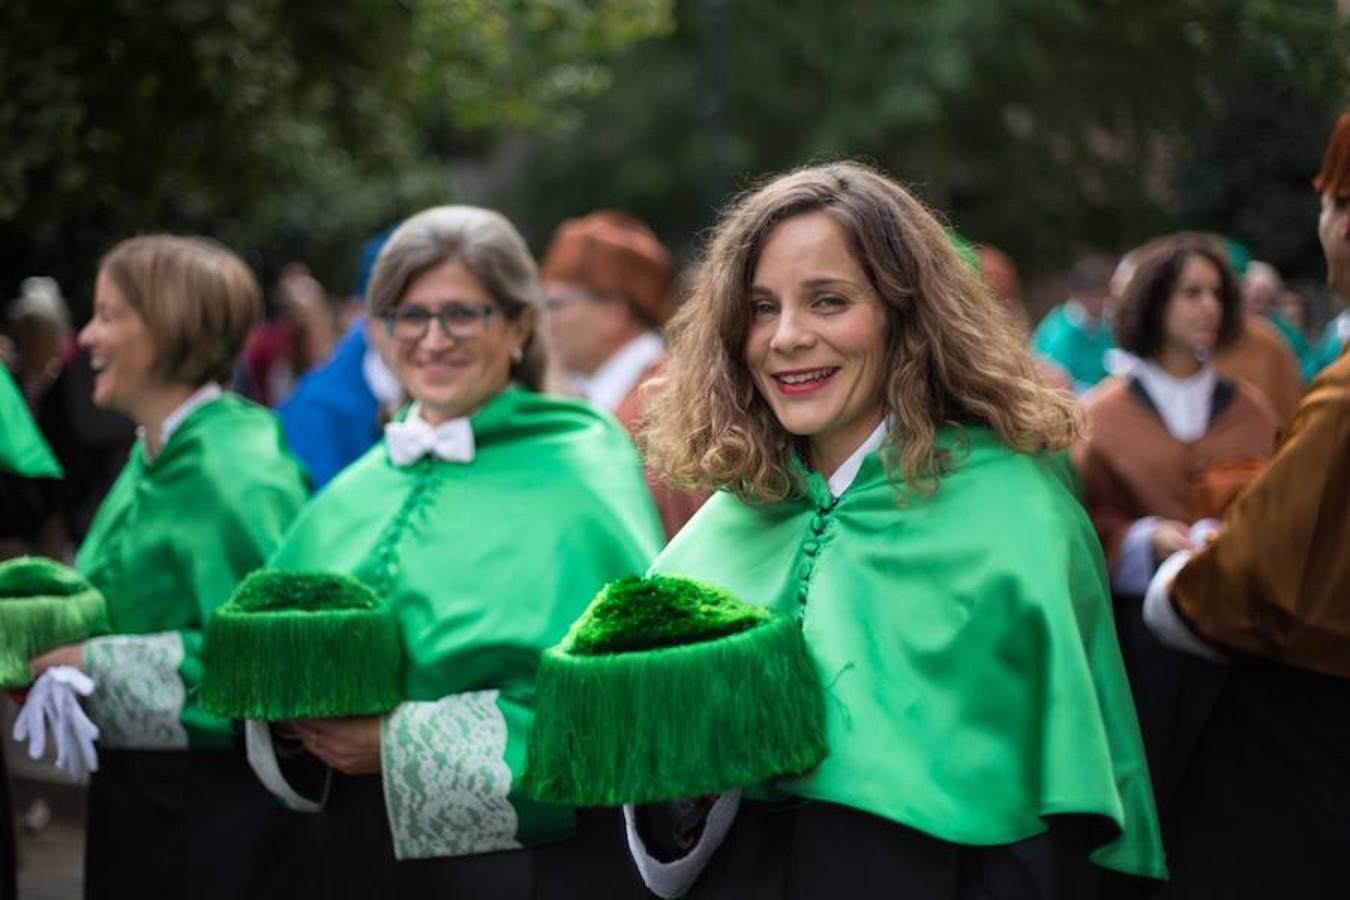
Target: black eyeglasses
[{"x": 458, "y": 320}]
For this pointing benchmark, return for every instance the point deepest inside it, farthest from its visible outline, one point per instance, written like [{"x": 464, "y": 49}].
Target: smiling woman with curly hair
[{"x": 890, "y": 474}]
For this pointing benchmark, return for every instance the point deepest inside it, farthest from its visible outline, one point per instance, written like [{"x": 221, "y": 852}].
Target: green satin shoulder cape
[
  {"x": 965, "y": 639},
  {"x": 176, "y": 534},
  {"x": 22, "y": 448},
  {"x": 488, "y": 563}
]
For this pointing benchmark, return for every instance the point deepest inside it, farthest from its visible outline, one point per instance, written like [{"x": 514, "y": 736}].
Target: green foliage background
[
  {"x": 288, "y": 130},
  {"x": 1042, "y": 126},
  {"x": 294, "y": 130}
]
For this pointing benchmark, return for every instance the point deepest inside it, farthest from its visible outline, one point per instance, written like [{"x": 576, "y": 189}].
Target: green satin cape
[
  {"x": 22, "y": 449},
  {"x": 487, "y": 563},
  {"x": 973, "y": 678},
  {"x": 176, "y": 534}
]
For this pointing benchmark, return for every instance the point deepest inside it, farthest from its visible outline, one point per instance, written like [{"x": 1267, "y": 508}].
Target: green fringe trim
[
  {"x": 658, "y": 725},
  {"x": 638, "y": 613},
  {"x": 296, "y": 645},
  {"x": 43, "y": 605}
]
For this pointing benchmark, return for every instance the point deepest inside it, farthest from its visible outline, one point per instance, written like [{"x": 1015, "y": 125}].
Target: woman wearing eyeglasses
[{"x": 488, "y": 516}]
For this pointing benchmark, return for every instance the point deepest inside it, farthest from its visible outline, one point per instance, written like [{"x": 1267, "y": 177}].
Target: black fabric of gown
[
  {"x": 1263, "y": 807},
  {"x": 194, "y": 825},
  {"x": 806, "y": 849},
  {"x": 9, "y": 888},
  {"x": 356, "y": 851}
]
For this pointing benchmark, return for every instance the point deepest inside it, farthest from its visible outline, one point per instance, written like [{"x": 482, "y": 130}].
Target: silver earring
[{"x": 518, "y": 355}]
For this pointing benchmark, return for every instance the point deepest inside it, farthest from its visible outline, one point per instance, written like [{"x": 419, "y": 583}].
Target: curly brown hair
[
  {"x": 1158, "y": 265},
  {"x": 953, "y": 355}
]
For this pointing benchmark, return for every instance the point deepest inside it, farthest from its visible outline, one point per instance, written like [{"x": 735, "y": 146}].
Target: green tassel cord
[
  {"x": 667, "y": 688},
  {"x": 43, "y": 605},
  {"x": 294, "y": 645}
]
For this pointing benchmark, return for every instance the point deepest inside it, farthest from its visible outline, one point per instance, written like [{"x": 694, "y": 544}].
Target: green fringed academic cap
[
  {"x": 294, "y": 645},
  {"x": 43, "y": 605},
  {"x": 668, "y": 688}
]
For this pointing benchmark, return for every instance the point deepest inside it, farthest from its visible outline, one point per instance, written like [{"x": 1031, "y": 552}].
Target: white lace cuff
[
  {"x": 446, "y": 780},
  {"x": 138, "y": 695}
]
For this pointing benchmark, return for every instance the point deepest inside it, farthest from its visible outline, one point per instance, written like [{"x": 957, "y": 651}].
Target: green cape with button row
[{"x": 973, "y": 677}]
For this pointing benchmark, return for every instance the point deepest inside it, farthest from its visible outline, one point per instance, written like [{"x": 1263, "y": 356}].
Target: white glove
[{"x": 53, "y": 702}]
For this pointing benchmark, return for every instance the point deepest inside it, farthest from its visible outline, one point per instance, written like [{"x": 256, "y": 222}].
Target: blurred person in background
[
  {"x": 39, "y": 325},
  {"x": 488, "y": 517},
  {"x": 1294, "y": 306},
  {"x": 298, "y": 335},
  {"x": 28, "y": 475},
  {"x": 1076, "y": 335},
  {"x": 1169, "y": 445},
  {"x": 1258, "y": 353},
  {"x": 607, "y": 289},
  {"x": 998, "y": 271},
  {"x": 338, "y": 411},
  {"x": 1264, "y": 808},
  {"x": 1335, "y": 338},
  {"x": 1262, "y": 290},
  {"x": 174, "y": 810}
]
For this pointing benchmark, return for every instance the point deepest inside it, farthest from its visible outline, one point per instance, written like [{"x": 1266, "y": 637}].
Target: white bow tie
[{"x": 412, "y": 439}]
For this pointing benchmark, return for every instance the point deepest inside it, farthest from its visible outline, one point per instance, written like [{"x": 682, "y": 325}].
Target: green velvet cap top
[
  {"x": 43, "y": 605},
  {"x": 296, "y": 645},
  {"x": 668, "y": 688}
]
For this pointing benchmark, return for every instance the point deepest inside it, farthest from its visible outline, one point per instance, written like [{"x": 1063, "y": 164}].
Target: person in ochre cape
[
  {"x": 1263, "y": 808},
  {"x": 1169, "y": 445},
  {"x": 488, "y": 516},
  {"x": 890, "y": 472},
  {"x": 174, "y": 810}
]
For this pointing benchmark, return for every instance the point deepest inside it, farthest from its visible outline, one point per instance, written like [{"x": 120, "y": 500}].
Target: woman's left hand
[
  {"x": 70, "y": 655},
  {"x": 350, "y": 745}
]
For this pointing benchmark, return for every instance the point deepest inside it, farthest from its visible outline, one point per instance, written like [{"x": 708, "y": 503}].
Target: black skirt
[
  {"x": 356, "y": 854},
  {"x": 191, "y": 824},
  {"x": 808, "y": 850}
]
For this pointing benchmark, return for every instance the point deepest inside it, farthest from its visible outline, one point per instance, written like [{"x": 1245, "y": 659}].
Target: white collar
[
  {"x": 200, "y": 397},
  {"x": 381, "y": 380},
  {"x": 621, "y": 372},
  {"x": 413, "y": 438},
  {"x": 848, "y": 469},
  {"x": 1183, "y": 403}
]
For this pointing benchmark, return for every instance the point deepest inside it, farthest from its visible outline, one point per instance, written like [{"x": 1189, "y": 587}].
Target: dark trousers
[
  {"x": 810, "y": 850},
  {"x": 190, "y": 824},
  {"x": 9, "y": 888},
  {"x": 356, "y": 853}
]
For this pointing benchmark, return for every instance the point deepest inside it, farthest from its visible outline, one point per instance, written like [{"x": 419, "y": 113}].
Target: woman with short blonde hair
[
  {"x": 203, "y": 500},
  {"x": 890, "y": 475}
]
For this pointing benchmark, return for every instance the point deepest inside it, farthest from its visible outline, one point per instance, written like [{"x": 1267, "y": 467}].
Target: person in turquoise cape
[
  {"x": 487, "y": 516},
  {"x": 28, "y": 472},
  {"x": 204, "y": 498},
  {"x": 890, "y": 472}
]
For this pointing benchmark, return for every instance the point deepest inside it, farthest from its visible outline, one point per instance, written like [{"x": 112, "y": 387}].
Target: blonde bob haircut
[
  {"x": 486, "y": 244},
  {"x": 953, "y": 355},
  {"x": 198, "y": 300}
]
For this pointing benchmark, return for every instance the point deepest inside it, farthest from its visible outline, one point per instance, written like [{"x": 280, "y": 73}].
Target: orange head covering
[
  {"x": 1334, "y": 179},
  {"x": 613, "y": 253}
]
